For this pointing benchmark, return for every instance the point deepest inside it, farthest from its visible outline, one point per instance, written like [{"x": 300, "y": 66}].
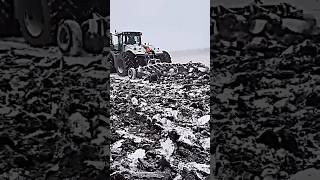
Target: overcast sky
[{"x": 168, "y": 24}]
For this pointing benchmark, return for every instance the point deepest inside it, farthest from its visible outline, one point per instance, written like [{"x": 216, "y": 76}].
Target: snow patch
[
  {"x": 167, "y": 148},
  {"x": 203, "y": 120},
  {"x": 139, "y": 153},
  {"x": 116, "y": 146}
]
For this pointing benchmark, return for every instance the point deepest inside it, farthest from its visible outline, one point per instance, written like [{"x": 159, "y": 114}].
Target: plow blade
[{"x": 160, "y": 70}]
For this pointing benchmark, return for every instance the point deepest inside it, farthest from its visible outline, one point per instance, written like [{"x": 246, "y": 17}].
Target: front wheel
[
  {"x": 69, "y": 38},
  {"x": 132, "y": 73}
]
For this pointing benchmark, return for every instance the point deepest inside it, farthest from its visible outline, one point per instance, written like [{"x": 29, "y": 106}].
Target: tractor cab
[
  {"x": 127, "y": 38},
  {"x": 129, "y": 53}
]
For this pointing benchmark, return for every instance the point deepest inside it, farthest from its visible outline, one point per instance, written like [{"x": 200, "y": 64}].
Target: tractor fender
[
  {"x": 296, "y": 25},
  {"x": 156, "y": 50},
  {"x": 304, "y": 25},
  {"x": 135, "y": 52},
  {"x": 259, "y": 22},
  {"x": 130, "y": 50},
  {"x": 135, "y": 49}
]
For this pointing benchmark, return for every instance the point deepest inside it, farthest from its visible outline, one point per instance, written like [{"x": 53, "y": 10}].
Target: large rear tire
[
  {"x": 130, "y": 59},
  {"x": 124, "y": 62},
  {"x": 111, "y": 61},
  {"x": 140, "y": 61},
  {"x": 165, "y": 57},
  {"x": 120, "y": 66},
  {"x": 39, "y": 19}
]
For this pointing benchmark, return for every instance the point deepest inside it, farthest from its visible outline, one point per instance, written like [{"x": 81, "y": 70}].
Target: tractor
[
  {"x": 75, "y": 26},
  {"x": 128, "y": 53}
]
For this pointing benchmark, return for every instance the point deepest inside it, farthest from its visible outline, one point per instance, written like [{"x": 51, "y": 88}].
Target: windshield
[{"x": 133, "y": 39}]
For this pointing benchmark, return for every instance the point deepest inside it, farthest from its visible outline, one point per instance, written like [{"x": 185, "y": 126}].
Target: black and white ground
[
  {"x": 160, "y": 130},
  {"x": 54, "y": 115}
]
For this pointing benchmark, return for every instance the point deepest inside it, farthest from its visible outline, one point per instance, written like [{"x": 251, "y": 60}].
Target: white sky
[{"x": 168, "y": 24}]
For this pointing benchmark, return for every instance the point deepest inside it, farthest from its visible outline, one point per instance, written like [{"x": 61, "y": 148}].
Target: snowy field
[
  {"x": 161, "y": 130},
  {"x": 46, "y": 110},
  {"x": 194, "y": 55},
  {"x": 158, "y": 130}
]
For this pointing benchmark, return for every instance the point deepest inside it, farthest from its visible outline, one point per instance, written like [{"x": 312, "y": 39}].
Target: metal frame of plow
[{"x": 168, "y": 69}]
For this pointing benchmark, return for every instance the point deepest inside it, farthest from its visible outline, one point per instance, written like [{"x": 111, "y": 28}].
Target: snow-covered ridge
[{"x": 194, "y": 55}]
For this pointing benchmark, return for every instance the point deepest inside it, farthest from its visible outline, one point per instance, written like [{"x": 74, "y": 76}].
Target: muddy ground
[
  {"x": 160, "y": 130},
  {"x": 54, "y": 115},
  {"x": 55, "y": 120},
  {"x": 265, "y": 117}
]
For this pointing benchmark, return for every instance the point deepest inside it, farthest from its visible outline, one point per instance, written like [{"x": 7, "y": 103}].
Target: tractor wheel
[
  {"x": 120, "y": 66},
  {"x": 124, "y": 63},
  {"x": 39, "y": 19},
  {"x": 69, "y": 38},
  {"x": 165, "y": 57},
  {"x": 129, "y": 58},
  {"x": 141, "y": 61},
  {"x": 8, "y": 24},
  {"x": 132, "y": 73},
  {"x": 110, "y": 60}
]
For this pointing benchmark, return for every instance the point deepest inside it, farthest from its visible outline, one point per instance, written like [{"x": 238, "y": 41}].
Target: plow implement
[{"x": 160, "y": 70}]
